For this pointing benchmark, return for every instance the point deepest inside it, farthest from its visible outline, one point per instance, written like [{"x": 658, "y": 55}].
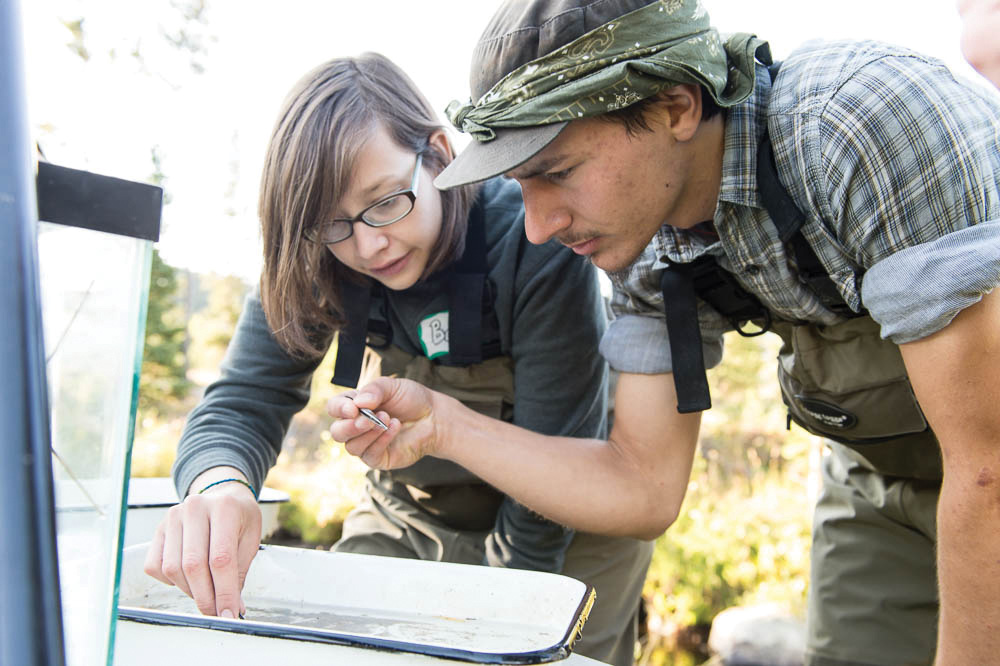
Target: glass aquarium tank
[{"x": 95, "y": 237}]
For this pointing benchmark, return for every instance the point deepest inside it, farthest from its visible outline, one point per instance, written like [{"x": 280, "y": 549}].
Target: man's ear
[{"x": 680, "y": 109}]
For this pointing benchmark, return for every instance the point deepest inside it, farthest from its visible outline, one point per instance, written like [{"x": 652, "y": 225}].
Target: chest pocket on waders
[{"x": 845, "y": 383}]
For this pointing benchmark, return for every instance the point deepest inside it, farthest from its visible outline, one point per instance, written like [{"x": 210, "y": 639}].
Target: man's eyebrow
[{"x": 534, "y": 169}]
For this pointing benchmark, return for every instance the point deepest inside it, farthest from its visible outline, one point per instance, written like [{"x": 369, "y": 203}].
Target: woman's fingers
[
  {"x": 205, "y": 546},
  {"x": 355, "y": 426},
  {"x": 248, "y": 548},
  {"x": 195, "y": 553},
  {"x": 229, "y": 518},
  {"x": 378, "y": 448},
  {"x": 365, "y": 434},
  {"x": 173, "y": 544},
  {"x": 153, "y": 564},
  {"x": 378, "y": 455},
  {"x": 383, "y": 449}
]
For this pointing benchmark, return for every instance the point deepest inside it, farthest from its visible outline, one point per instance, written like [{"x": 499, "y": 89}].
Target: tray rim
[{"x": 556, "y": 652}]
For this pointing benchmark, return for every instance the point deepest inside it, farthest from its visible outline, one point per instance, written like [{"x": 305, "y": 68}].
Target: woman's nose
[{"x": 369, "y": 240}]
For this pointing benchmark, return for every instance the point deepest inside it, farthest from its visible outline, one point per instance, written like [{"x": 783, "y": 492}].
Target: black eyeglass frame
[{"x": 314, "y": 233}]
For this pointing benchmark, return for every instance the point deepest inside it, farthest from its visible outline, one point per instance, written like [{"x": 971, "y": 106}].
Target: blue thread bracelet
[{"x": 215, "y": 483}]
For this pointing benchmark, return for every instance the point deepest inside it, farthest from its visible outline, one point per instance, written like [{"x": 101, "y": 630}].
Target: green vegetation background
[{"x": 742, "y": 537}]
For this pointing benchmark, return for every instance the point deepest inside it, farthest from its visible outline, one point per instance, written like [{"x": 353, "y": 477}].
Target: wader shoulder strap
[
  {"x": 684, "y": 335},
  {"x": 466, "y": 284},
  {"x": 466, "y": 288},
  {"x": 704, "y": 278},
  {"x": 352, "y": 337},
  {"x": 788, "y": 220}
]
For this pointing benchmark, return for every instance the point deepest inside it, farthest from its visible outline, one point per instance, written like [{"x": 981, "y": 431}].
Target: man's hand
[
  {"x": 408, "y": 408},
  {"x": 206, "y": 543}
]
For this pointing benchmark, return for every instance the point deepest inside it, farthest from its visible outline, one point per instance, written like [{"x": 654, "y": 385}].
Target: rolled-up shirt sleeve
[
  {"x": 912, "y": 191},
  {"x": 919, "y": 290},
  {"x": 638, "y": 344},
  {"x": 636, "y": 340}
]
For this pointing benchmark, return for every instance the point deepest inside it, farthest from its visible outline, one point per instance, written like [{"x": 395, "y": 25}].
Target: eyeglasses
[{"x": 383, "y": 212}]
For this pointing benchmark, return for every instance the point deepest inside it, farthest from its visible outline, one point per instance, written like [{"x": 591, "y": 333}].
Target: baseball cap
[{"x": 519, "y": 32}]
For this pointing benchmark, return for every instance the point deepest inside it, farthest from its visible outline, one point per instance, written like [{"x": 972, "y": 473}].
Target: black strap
[
  {"x": 684, "y": 334},
  {"x": 466, "y": 288},
  {"x": 352, "y": 337},
  {"x": 788, "y": 220}
]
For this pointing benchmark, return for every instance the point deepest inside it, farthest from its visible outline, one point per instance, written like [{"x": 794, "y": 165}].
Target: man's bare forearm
[
  {"x": 956, "y": 376},
  {"x": 632, "y": 484}
]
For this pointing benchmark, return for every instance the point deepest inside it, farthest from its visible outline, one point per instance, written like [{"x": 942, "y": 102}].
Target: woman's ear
[{"x": 440, "y": 142}]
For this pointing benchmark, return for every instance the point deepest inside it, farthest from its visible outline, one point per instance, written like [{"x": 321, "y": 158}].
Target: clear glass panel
[{"x": 94, "y": 287}]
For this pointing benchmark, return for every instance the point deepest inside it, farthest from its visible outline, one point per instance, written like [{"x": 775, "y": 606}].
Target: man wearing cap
[{"x": 847, "y": 201}]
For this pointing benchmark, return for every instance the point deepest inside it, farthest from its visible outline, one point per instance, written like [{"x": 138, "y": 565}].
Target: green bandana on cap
[{"x": 620, "y": 63}]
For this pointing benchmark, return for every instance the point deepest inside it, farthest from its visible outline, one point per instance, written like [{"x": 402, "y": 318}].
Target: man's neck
[{"x": 701, "y": 189}]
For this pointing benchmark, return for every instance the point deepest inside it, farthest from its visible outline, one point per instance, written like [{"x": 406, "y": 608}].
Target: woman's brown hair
[{"x": 323, "y": 124}]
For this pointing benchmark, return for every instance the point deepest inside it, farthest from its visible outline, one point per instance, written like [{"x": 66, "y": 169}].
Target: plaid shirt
[{"x": 893, "y": 162}]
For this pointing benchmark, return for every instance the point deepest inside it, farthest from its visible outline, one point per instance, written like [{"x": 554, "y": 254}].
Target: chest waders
[
  {"x": 476, "y": 374},
  {"x": 842, "y": 382}
]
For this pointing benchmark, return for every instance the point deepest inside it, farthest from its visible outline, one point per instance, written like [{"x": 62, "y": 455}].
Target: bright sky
[{"x": 211, "y": 129}]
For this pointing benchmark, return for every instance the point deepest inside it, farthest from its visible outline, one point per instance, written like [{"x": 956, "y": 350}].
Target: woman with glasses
[{"x": 361, "y": 250}]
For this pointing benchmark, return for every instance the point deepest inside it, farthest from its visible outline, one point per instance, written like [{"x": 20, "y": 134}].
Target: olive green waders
[{"x": 873, "y": 585}]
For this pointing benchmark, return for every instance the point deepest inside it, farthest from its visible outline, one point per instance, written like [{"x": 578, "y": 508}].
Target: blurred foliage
[
  {"x": 156, "y": 436},
  {"x": 730, "y": 548},
  {"x": 324, "y": 485},
  {"x": 182, "y": 26},
  {"x": 743, "y": 534},
  {"x": 179, "y": 361},
  {"x": 164, "y": 366},
  {"x": 212, "y": 321}
]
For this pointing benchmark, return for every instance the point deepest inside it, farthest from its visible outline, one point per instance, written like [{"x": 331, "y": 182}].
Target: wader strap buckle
[{"x": 717, "y": 287}]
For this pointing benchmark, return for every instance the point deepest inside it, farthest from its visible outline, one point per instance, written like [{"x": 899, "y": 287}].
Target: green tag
[{"x": 434, "y": 334}]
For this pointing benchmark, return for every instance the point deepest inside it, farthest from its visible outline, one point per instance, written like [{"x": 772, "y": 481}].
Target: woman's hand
[
  {"x": 205, "y": 544},
  {"x": 413, "y": 428}
]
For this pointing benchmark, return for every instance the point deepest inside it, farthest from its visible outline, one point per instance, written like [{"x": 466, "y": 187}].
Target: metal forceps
[{"x": 370, "y": 415}]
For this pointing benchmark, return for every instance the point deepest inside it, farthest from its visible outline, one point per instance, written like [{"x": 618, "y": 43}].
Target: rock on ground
[{"x": 757, "y": 636}]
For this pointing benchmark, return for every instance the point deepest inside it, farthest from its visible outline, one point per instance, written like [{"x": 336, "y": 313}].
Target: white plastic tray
[{"x": 472, "y": 613}]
